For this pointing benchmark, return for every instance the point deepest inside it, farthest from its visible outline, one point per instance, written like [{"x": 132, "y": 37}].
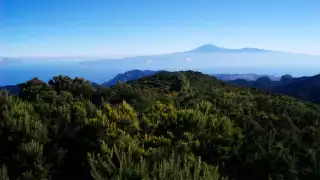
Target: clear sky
[{"x": 136, "y": 27}]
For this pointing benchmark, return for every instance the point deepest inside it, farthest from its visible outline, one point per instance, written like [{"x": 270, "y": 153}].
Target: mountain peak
[{"x": 208, "y": 48}]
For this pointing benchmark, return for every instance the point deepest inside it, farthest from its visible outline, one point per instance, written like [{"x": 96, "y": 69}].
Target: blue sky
[{"x": 135, "y": 27}]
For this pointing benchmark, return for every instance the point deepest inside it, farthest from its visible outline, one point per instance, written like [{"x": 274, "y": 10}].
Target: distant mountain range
[
  {"x": 221, "y": 60},
  {"x": 248, "y": 77},
  {"x": 205, "y": 54},
  {"x": 209, "y": 48}
]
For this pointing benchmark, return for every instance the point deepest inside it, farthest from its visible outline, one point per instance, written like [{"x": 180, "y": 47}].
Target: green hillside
[{"x": 181, "y": 125}]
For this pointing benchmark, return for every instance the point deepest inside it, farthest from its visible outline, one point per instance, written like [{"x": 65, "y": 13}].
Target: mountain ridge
[
  {"x": 137, "y": 74},
  {"x": 215, "y": 58},
  {"x": 305, "y": 88},
  {"x": 210, "y": 48},
  {"x": 128, "y": 76}
]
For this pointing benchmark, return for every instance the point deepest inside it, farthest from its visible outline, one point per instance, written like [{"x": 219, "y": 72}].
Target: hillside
[
  {"x": 137, "y": 74},
  {"x": 180, "y": 125},
  {"x": 128, "y": 76},
  {"x": 14, "y": 89},
  {"x": 264, "y": 83},
  {"x": 303, "y": 88}
]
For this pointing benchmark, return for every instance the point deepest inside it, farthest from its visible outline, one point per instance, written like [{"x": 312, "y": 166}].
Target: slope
[
  {"x": 137, "y": 74},
  {"x": 128, "y": 76},
  {"x": 172, "y": 125},
  {"x": 14, "y": 89},
  {"x": 303, "y": 88}
]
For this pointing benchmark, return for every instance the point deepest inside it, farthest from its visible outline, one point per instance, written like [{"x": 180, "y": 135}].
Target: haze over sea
[{"x": 19, "y": 70}]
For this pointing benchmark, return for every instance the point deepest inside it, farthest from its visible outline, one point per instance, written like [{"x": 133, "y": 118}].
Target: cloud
[
  {"x": 189, "y": 59},
  {"x": 149, "y": 62}
]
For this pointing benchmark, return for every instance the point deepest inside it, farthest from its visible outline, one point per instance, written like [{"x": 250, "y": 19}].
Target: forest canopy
[{"x": 171, "y": 125}]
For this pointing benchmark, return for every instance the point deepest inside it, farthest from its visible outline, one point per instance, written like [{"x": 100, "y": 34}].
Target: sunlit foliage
[{"x": 182, "y": 125}]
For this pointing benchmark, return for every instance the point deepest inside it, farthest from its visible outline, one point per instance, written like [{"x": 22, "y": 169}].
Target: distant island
[
  {"x": 209, "y": 59},
  {"x": 209, "y": 48}
]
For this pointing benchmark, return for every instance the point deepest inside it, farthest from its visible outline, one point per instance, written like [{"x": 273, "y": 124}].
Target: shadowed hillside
[
  {"x": 14, "y": 89},
  {"x": 128, "y": 76},
  {"x": 303, "y": 88},
  {"x": 307, "y": 89}
]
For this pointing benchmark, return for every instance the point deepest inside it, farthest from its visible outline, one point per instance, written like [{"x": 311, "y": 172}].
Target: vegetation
[
  {"x": 303, "y": 88},
  {"x": 129, "y": 76},
  {"x": 182, "y": 125}
]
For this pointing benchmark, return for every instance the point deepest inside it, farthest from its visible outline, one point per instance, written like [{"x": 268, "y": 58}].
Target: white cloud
[
  {"x": 149, "y": 62},
  {"x": 189, "y": 59}
]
